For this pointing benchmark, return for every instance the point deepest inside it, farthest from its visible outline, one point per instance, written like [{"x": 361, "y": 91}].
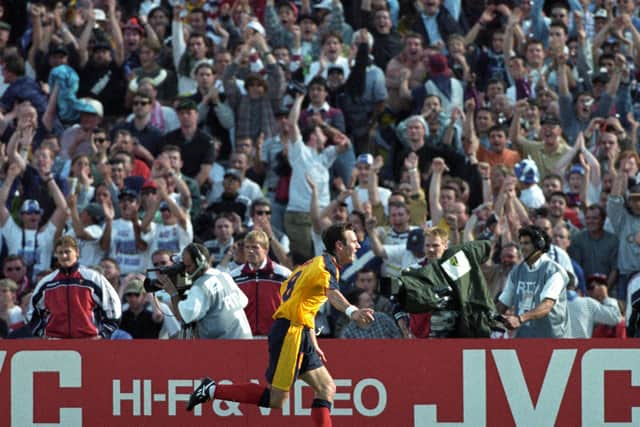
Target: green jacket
[{"x": 458, "y": 271}]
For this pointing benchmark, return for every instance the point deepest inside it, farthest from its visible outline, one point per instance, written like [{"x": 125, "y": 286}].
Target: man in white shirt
[
  {"x": 123, "y": 237},
  {"x": 87, "y": 229},
  {"x": 30, "y": 240},
  {"x": 313, "y": 159},
  {"x": 363, "y": 165}
]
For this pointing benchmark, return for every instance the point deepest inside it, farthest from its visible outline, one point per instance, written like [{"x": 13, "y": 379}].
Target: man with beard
[{"x": 496, "y": 274}]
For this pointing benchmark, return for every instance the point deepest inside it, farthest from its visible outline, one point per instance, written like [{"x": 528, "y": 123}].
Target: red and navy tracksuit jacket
[
  {"x": 262, "y": 287},
  {"x": 75, "y": 302}
]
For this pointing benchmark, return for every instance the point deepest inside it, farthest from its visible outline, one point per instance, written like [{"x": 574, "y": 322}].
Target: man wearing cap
[
  {"x": 87, "y": 230},
  {"x": 30, "y": 240},
  {"x": 175, "y": 232},
  {"x": 124, "y": 238},
  {"x": 397, "y": 257},
  {"x": 73, "y": 301},
  {"x": 364, "y": 163},
  {"x": 545, "y": 153},
  {"x": 141, "y": 313},
  {"x": 231, "y": 200},
  {"x": 196, "y": 146},
  {"x": 102, "y": 75}
]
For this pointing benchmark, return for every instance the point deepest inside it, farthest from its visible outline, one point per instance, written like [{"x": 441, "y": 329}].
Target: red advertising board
[{"x": 424, "y": 383}]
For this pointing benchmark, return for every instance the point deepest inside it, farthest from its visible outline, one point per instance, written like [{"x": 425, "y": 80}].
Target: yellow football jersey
[{"x": 304, "y": 292}]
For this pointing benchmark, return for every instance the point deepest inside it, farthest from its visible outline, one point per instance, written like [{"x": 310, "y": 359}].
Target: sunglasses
[
  {"x": 137, "y": 103},
  {"x": 100, "y": 140},
  {"x": 132, "y": 294},
  {"x": 262, "y": 213}
]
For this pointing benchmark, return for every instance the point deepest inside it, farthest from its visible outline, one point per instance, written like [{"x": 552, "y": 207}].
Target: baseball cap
[
  {"x": 415, "y": 242},
  {"x": 634, "y": 190},
  {"x": 90, "y": 106},
  {"x": 365, "y": 158},
  {"x": 58, "y": 48},
  {"x": 527, "y": 171},
  {"x": 257, "y": 27},
  {"x": 95, "y": 211},
  {"x": 101, "y": 43},
  {"x": 579, "y": 169},
  {"x": 99, "y": 15},
  {"x": 128, "y": 192},
  {"x": 150, "y": 184},
  {"x": 135, "y": 286},
  {"x": 235, "y": 173},
  {"x": 601, "y": 76},
  {"x": 5, "y": 26},
  {"x": 133, "y": 24},
  {"x": 30, "y": 206},
  {"x": 324, "y": 4},
  {"x": 600, "y": 13},
  {"x": 550, "y": 120}
]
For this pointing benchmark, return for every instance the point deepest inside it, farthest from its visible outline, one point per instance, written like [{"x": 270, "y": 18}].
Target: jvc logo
[
  {"x": 525, "y": 413},
  {"x": 68, "y": 365}
]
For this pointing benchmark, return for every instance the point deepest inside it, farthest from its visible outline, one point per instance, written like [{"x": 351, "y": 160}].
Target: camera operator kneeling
[{"x": 211, "y": 301}]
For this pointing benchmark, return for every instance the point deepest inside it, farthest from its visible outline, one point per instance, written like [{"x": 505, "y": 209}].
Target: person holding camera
[
  {"x": 536, "y": 289},
  {"x": 213, "y": 302}
]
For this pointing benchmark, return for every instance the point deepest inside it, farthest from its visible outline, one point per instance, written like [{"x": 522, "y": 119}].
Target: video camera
[{"x": 176, "y": 273}]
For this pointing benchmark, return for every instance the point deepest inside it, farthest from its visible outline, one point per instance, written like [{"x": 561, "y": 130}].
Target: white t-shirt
[
  {"x": 90, "y": 251},
  {"x": 123, "y": 246},
  {"x": 306, "y": 161},
  {"x": 172, "y": 237},
  {"x": 532, "y": 197},
  {"x": 363, "y": 196},
  {"x": 35, "y": 250},
  {"x": 398, "y": 258}
]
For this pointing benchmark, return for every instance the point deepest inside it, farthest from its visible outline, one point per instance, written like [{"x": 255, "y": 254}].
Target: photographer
[{"x": 213, "y": 302}]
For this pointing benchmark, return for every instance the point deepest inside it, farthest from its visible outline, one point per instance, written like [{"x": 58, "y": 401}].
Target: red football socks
[{"x": 243, "y": 393}]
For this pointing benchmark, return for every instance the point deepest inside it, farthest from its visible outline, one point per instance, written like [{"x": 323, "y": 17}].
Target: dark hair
[
  {"x": 539, "y": 238},
  {"x": 558, "y": 23},
  {"x": 14, "y": 64},
  {"x": 320, "y": 81},
  {"x": 365, "y": 270},
  {"x": 354, "y": 295},
  {"x": 360, "y": 216},
  {"x": 258, "y": 202},
  {"x": 169, "y": 148},
  {"x": 11, "y": 258},
  {"x": 335, "y": 234},
  {"x": 559, "y": 194},
  {"x": 498, "y": 128},
  {"x": 330, "y": 34},
  {"x": 601, "y": 210},
  {"x": 494, "y": 81}
]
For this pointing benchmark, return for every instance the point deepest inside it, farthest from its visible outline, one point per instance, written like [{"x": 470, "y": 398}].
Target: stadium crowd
[{"x": 132, "y": 128}]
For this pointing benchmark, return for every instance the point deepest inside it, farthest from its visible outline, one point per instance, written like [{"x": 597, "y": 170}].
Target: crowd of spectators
[{"x": 140, "y": 126}]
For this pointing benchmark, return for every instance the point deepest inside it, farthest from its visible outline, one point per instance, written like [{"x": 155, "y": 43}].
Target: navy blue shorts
[{"x": 291, "y": 352}]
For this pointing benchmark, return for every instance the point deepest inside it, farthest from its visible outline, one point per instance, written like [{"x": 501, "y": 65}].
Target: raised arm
[
  {"x": 12, "y": 172},
  {"x": 374, "y": 239},
  {"x": 438, "y": 168},
  {"x": 116, "y": 32}
]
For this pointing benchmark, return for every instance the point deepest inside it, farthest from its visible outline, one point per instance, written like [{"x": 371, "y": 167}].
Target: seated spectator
[{"x": 383, "y": 327}]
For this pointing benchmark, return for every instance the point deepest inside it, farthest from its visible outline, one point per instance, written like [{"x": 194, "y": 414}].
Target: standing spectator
[
  {"x": 223, "y": 238},
  {"x": 497, "y": 274},
  {"x": 196, "y": 146},
  {"x": 536, "y": 290},
  {"x": 73, "y": 301},
  {"x": 261, "y": 213},
  {"x": 596, "y": 308},
  {"x": 86, "y": 228},
  {"x": 260, "y": 278},
  {"x": 141, "y": 127},
  {"x": 214, "y": 113},
  {"x": 34, "y": 243},
  {"x": 186, "y": 57},
  {"x": 312, "y": 158},
  {"x": 383, "y": 327},
  {"x": 588, "y": 245},
  {"x": 434, "y": 22},
  {"x": 124, "y": 238},
  {"x": 625, "y": 219}
]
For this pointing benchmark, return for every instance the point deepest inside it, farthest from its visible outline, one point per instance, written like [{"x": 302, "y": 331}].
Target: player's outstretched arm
[{"x": 363, "y": 316}]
